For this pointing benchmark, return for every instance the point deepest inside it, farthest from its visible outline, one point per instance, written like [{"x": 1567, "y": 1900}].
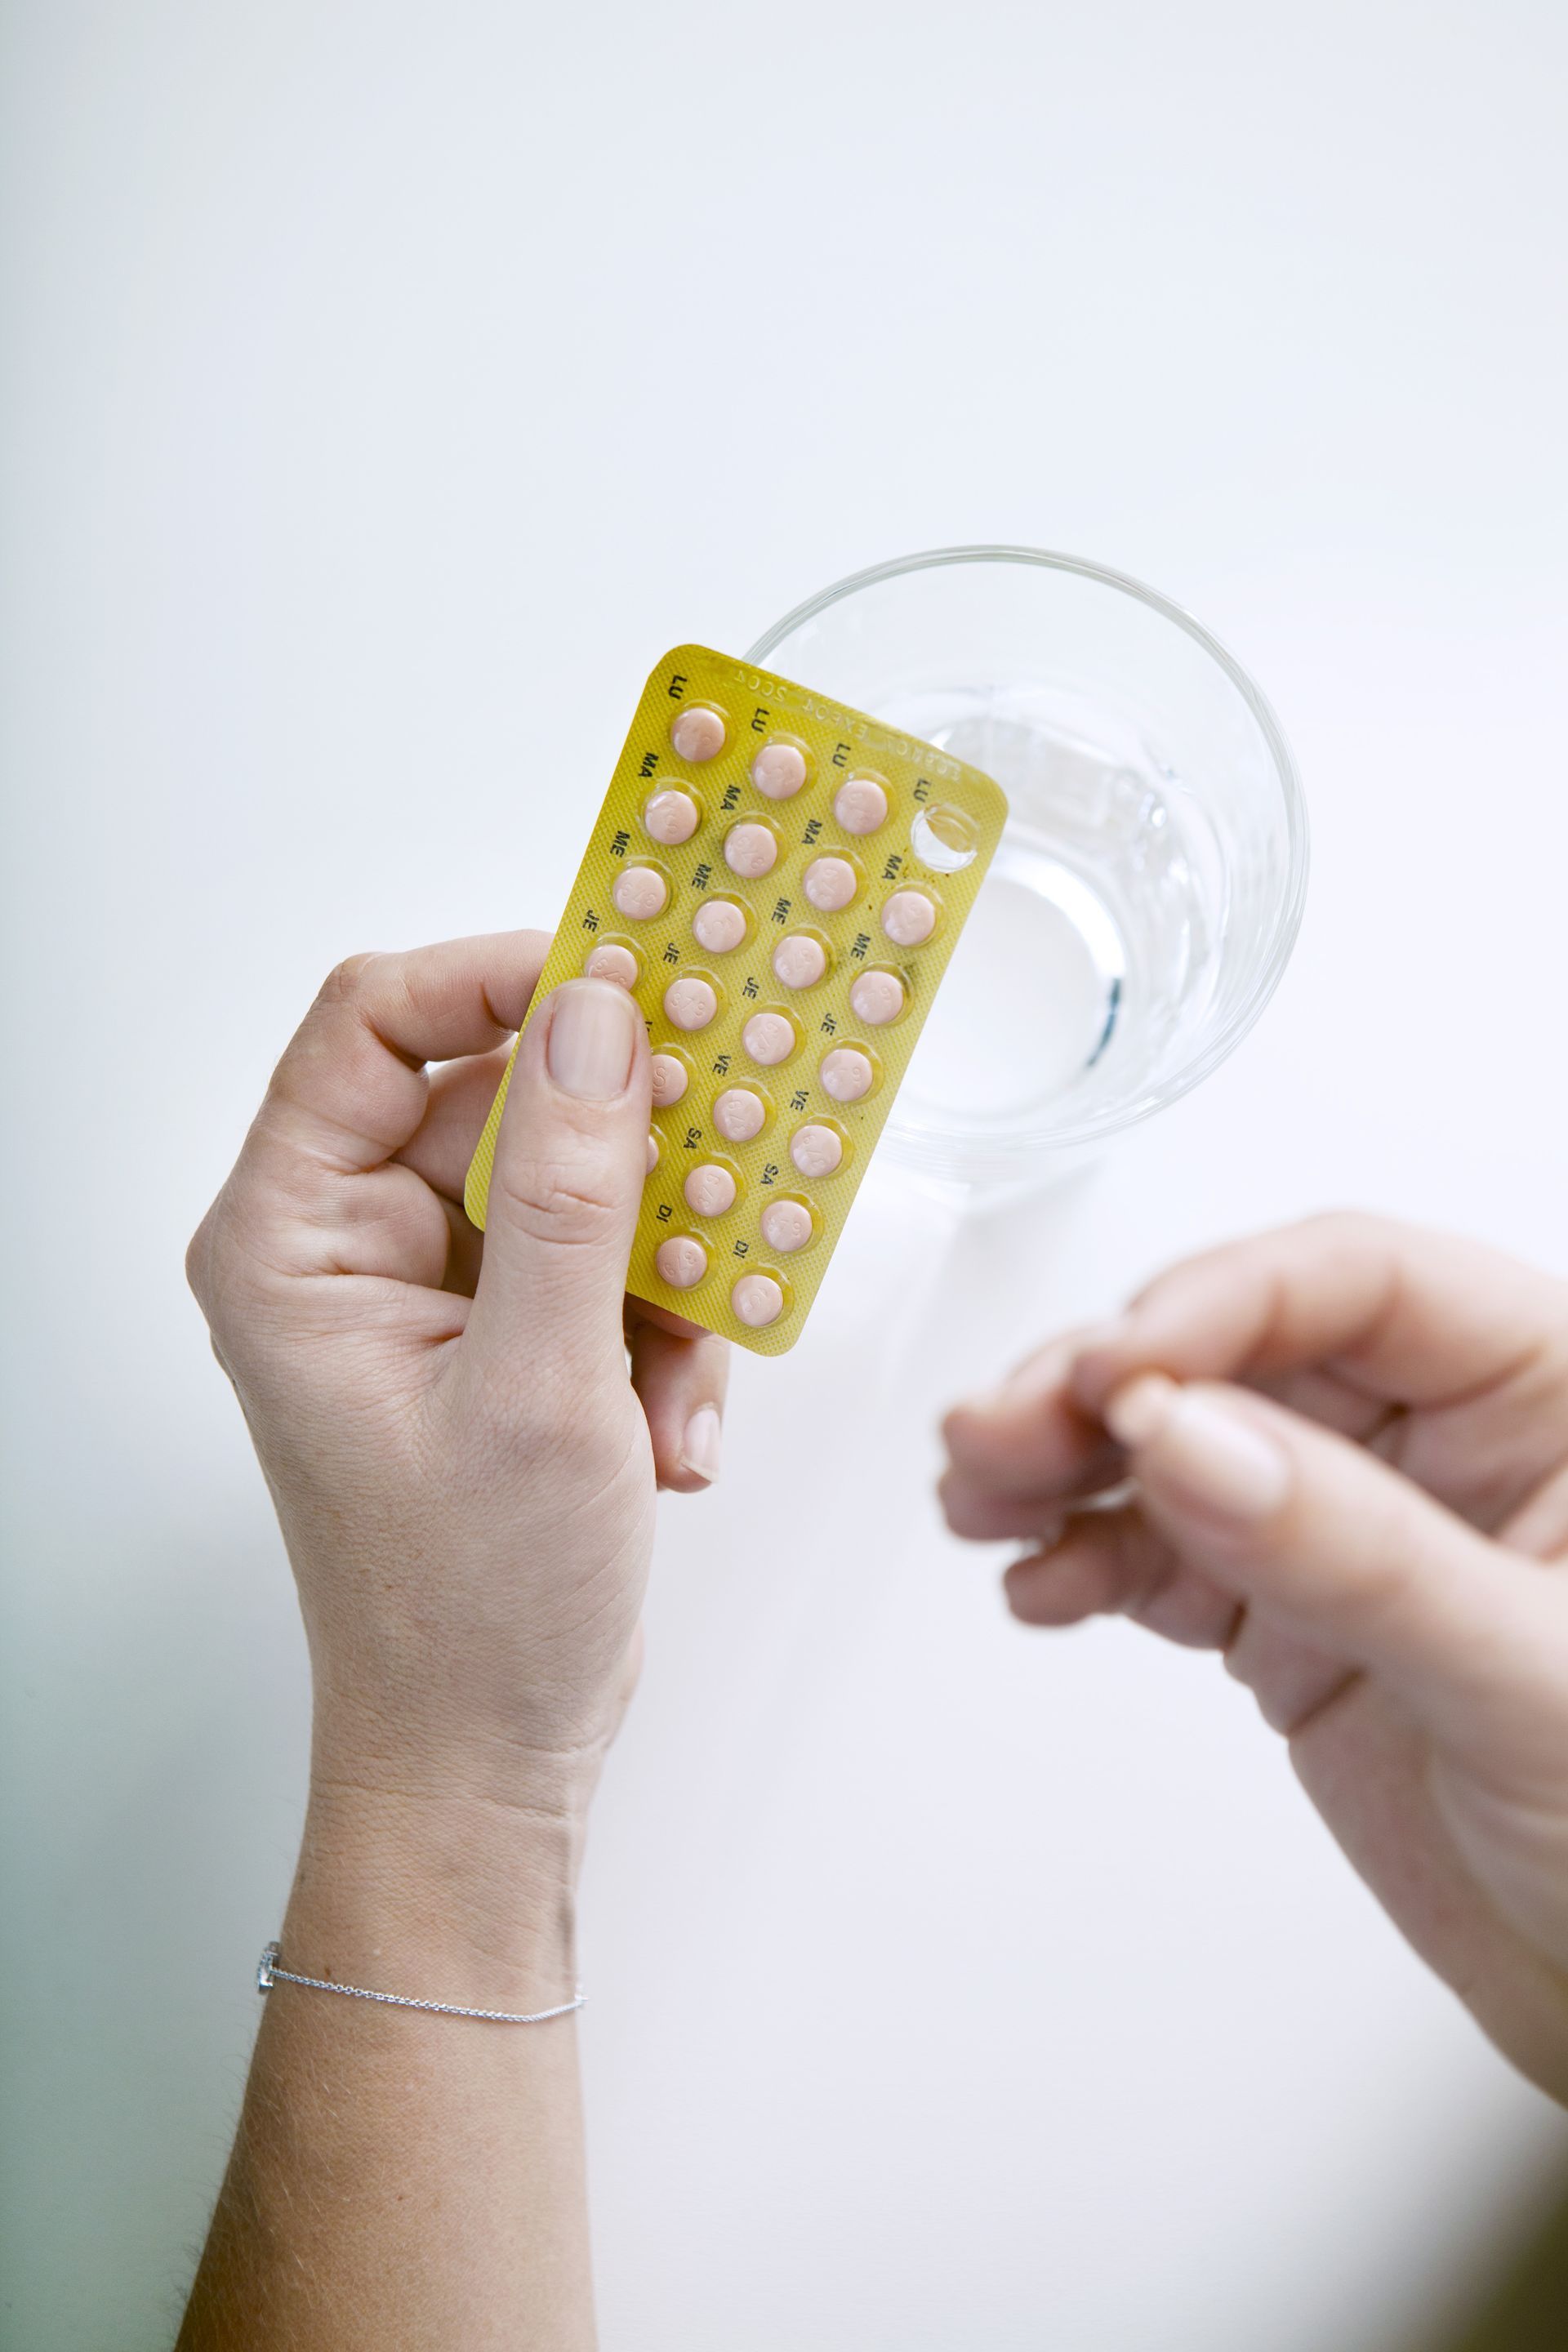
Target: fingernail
[
  {"x": 1225, "y": 1463},
  {"x": 1231, "y": 1464},
  {"x": 1136, "y": 1411},
  {"x": 699, "y": 1447},
  {"x": 592, "y": 1031}
]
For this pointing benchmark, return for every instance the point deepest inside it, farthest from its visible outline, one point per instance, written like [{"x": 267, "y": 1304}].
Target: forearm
[{"x": 400, "y": 2179}]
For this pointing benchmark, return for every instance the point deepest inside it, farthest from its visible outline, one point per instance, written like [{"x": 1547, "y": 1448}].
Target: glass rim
[{"x": 1287, "y": 923}]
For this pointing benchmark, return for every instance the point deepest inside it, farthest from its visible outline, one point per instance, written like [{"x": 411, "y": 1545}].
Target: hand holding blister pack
[{"x": 780, "y": 881}]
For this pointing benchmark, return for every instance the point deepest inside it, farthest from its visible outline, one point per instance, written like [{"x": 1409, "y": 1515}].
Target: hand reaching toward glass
[{"x": 1349, "y": 1444}]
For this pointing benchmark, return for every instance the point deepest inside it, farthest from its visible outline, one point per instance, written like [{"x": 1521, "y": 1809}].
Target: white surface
[{"x": 385, "y": 389}]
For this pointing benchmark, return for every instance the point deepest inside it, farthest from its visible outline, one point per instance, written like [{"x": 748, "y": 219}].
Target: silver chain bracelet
[{"x": 269, "y": 1973}]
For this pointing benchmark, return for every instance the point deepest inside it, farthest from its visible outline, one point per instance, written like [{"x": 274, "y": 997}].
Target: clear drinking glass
[{"x": 1148, "y": 887}]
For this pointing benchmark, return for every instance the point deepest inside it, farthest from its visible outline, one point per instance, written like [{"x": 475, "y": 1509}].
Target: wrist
[
  {"x": 448, "y": 1897},
  {"x": 384, "y": 1747}
]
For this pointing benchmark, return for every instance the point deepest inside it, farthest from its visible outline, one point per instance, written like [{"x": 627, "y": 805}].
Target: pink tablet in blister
[
  {"x": 750, "y": 851},
  {"x": 669, "y": 1080},
  {"x": 672, "y": 818},
  {"x": 786, "y": 1225},
  {"x": 690, "y": 1003},
  {"x": 769, "y": 1038},
  {"x": 779, "y": 771},
  {"x": 876, "y": 998},
  {"x": 640, "y": 892},
  {"x": 815, "y": 1150},
  {"x": 846, "y": 1074},
  {"x": 682, "y": 1261},
  {"x": 697, "y": 734},
  {"x": 799, "y": 960},
  {"x": 829, "y": 883},
  {"x": 758, "y": 1299},
  {"x": 709, "y": 1189},
  {"x": 861, "y": 805},
  {"x": 719, "y": 925},
  {"x": 909, "y": 917},
  {"x": 739, "y": 1114},
  {"x": 610, "y": 960}
]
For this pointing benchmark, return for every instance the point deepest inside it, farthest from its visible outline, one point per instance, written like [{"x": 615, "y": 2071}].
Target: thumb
[
  {"x": 570, "y": 1160},
  {"x": 1346, "y": 1552}
]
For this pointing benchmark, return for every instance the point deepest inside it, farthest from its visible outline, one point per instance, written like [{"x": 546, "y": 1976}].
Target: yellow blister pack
[{"x": 780, "y": 881}]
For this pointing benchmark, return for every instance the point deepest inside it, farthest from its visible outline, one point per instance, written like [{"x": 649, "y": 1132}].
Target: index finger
[
  {"x": 1402, "y": 1315},
  {"x": 1030, "y": 1437},
  {"x": 352, "y": 1087},
  {"x": 1387, "y": 1311}
]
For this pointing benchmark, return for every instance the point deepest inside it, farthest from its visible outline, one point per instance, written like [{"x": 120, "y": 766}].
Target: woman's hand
[
  {"x": 1350, "y": 1445},
  {"x": 464, "y": 1474}
]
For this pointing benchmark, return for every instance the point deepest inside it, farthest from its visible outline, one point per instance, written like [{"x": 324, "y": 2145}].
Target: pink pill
[
  {"x": 757, "y": 1299},
  {"x": 909, "y": 917},
  {"x": 786, "y": 1225},
  {"x": 739, "y": 1114},
  {"x": 830, "y": 883},
  {"x": 846, "y": 1074},
  {"x": 719, "y": 925},
  {"x": 681, "y": 1261},
  {"x": 668, "y": 1079},
  {"x": 690, "y": 1003},
  {"x": 768, "y": 1038},
  {"x": 709, "y": 1188},
  {"x": 652, "y": 1151},
  {"x": 816, "y": 1151},
  {"x": 750, "y": 851},
  {"x": 800, "y": 961},
  {"x": 697, "y": 734},
  {"x": 876, "y": 998},
  {"x": 778, "y": 771},
  {"x": 860, "y": 804},
  {"x": 609, "y": 960},
  {"x": 640, "y": 892},
  {"x": 672, "y": 818}
]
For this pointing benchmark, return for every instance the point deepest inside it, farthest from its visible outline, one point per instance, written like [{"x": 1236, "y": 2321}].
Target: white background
[{"x": 385, "y": 388}]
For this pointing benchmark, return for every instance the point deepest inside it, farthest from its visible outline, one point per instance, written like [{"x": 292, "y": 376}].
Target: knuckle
[
  {"x": 345, "y": 981},
  {"x": 532, "y": 1411},
  {"x": 1349, "y": 1228},
  {"x": 572, "y": 1201},
  {"x": 227, "y": 1277},
  {"x": 210, "y": 1257},
  {"x": 550, "y": 1413},
  {"x": 198, "y": 1261}
]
